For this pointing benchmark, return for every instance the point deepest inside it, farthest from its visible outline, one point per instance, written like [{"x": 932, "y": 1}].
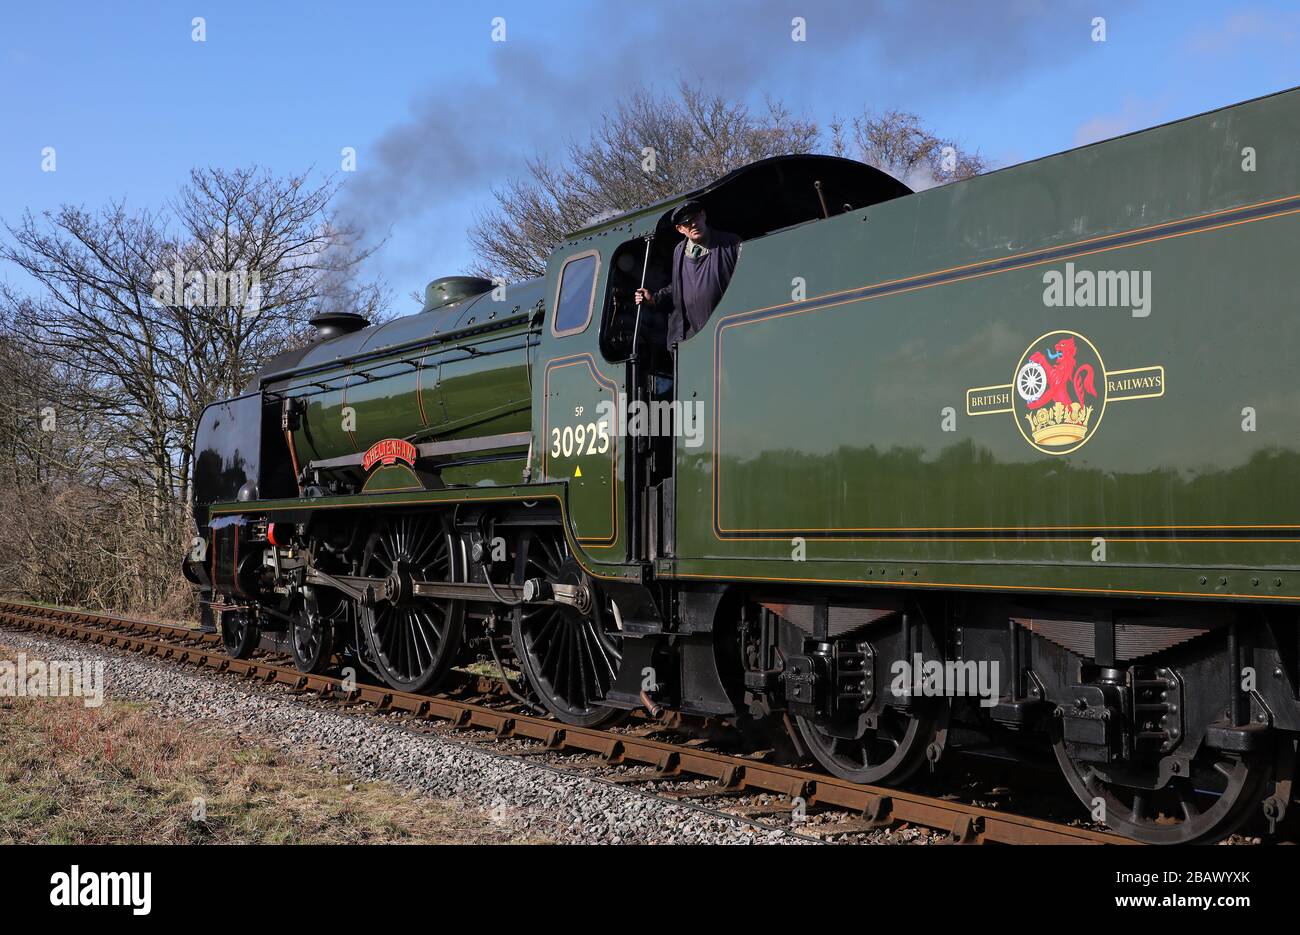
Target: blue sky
[{"x": 439, "y": 113}]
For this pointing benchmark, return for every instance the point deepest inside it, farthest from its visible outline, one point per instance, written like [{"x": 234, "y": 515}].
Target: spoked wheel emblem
[{"x": 1031, "y": 381}]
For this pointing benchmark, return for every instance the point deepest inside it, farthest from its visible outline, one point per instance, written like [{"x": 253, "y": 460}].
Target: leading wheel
[
  {"x": 1210, "y": 802},
  {"x": 239, "y": 633},
  {"x": 569, "y": 656},
  {"x": 890, "y": 752},
  {"x": 312, "y": 632},
  {"x": 412, "y": 640}
]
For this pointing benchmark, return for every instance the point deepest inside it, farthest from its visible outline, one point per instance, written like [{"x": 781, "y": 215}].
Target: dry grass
[{"x": 121, "y": 774}]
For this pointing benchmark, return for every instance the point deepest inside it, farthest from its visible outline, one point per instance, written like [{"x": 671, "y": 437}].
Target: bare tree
[
  {"x": 896, "y": 142},
  {"x": 78, "y": 534},
  {"x": 297, "y": 258},
  {"x": 652, "y": 146},
  {"x": 166, "y": 313},
  {"x": 143, "y": 318}
]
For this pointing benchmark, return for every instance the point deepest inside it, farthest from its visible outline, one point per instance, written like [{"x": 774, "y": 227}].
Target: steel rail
[{"x": 877, "y": 807}]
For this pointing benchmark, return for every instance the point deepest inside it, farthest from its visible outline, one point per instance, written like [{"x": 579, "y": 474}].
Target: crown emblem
[{"x": 1059, "y": 424}]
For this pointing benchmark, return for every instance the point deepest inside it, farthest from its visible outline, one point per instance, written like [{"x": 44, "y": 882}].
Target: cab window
[{"x": 575, "y": 295}]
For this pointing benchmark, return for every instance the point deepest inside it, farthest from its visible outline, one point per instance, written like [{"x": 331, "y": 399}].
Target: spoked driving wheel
[
  {"x": 890, "y": 752},
  {"x": 1211, "y": 801},
  {"x": 570, "y": 655},
  {"x": 413, "y": 640}
]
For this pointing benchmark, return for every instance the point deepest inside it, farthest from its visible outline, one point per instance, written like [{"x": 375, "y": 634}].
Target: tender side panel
[{"x": 879, "y": 419}]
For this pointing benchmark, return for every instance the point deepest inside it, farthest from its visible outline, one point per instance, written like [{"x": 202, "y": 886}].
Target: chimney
[{"x": 334, "y": 324}]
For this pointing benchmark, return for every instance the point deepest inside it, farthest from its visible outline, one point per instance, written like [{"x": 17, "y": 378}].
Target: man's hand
[{"x": 646, "y": 296}]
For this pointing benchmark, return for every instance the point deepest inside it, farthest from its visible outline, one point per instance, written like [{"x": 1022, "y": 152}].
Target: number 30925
[{"x": 572, "y": 439}]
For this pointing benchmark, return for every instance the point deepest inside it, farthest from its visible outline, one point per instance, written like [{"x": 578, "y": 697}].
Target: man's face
[{"x": 694, "y": 228}]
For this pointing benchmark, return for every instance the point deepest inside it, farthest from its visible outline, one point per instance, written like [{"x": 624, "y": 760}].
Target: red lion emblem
[{"x": 1061, "y": 375}]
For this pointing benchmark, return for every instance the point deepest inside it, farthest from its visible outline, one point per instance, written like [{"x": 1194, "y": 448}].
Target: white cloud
[{"x": 1243, "y": 29}]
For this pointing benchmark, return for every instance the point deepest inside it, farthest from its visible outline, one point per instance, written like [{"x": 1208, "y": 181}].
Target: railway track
[{"x": 684, "y": 772}]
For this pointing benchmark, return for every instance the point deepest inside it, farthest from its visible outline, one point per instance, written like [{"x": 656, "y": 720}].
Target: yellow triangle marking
[{"x": 577, "y": 472}]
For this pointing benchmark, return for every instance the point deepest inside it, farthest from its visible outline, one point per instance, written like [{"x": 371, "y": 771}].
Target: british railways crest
[{"x": 1059, "y": 392}]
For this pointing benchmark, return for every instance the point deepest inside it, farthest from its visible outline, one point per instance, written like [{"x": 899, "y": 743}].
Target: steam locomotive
[{"x": 1007, "y": 466}]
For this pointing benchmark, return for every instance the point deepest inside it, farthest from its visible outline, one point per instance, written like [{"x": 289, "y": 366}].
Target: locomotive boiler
[{"x": 1005, "y": 466}]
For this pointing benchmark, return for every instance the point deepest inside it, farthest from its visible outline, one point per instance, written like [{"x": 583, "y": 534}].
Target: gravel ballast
[{"x": 561, "y": 806}]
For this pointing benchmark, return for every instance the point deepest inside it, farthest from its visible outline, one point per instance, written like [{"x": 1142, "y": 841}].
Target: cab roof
[{"x": 779, "y": 190}]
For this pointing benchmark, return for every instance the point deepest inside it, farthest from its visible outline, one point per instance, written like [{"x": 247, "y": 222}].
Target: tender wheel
[
  {"x": 888, "y": 753},
  {"x": 1214, "y": 800},
  {"x": 413, "y": 641},
  {"x": 570, "y": 658},
  {"x": 239, "y": 633},
  {"x": 312, "y": 634}
]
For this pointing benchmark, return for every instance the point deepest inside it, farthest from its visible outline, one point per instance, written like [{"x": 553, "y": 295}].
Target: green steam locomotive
[{"x": 1006, "y": 466}]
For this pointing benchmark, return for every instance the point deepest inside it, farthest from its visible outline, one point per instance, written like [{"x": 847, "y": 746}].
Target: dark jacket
[{"x": 697, "y": 285}]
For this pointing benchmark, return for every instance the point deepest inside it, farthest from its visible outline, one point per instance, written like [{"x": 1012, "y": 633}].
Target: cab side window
[{"x": 576, "y": 294}]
